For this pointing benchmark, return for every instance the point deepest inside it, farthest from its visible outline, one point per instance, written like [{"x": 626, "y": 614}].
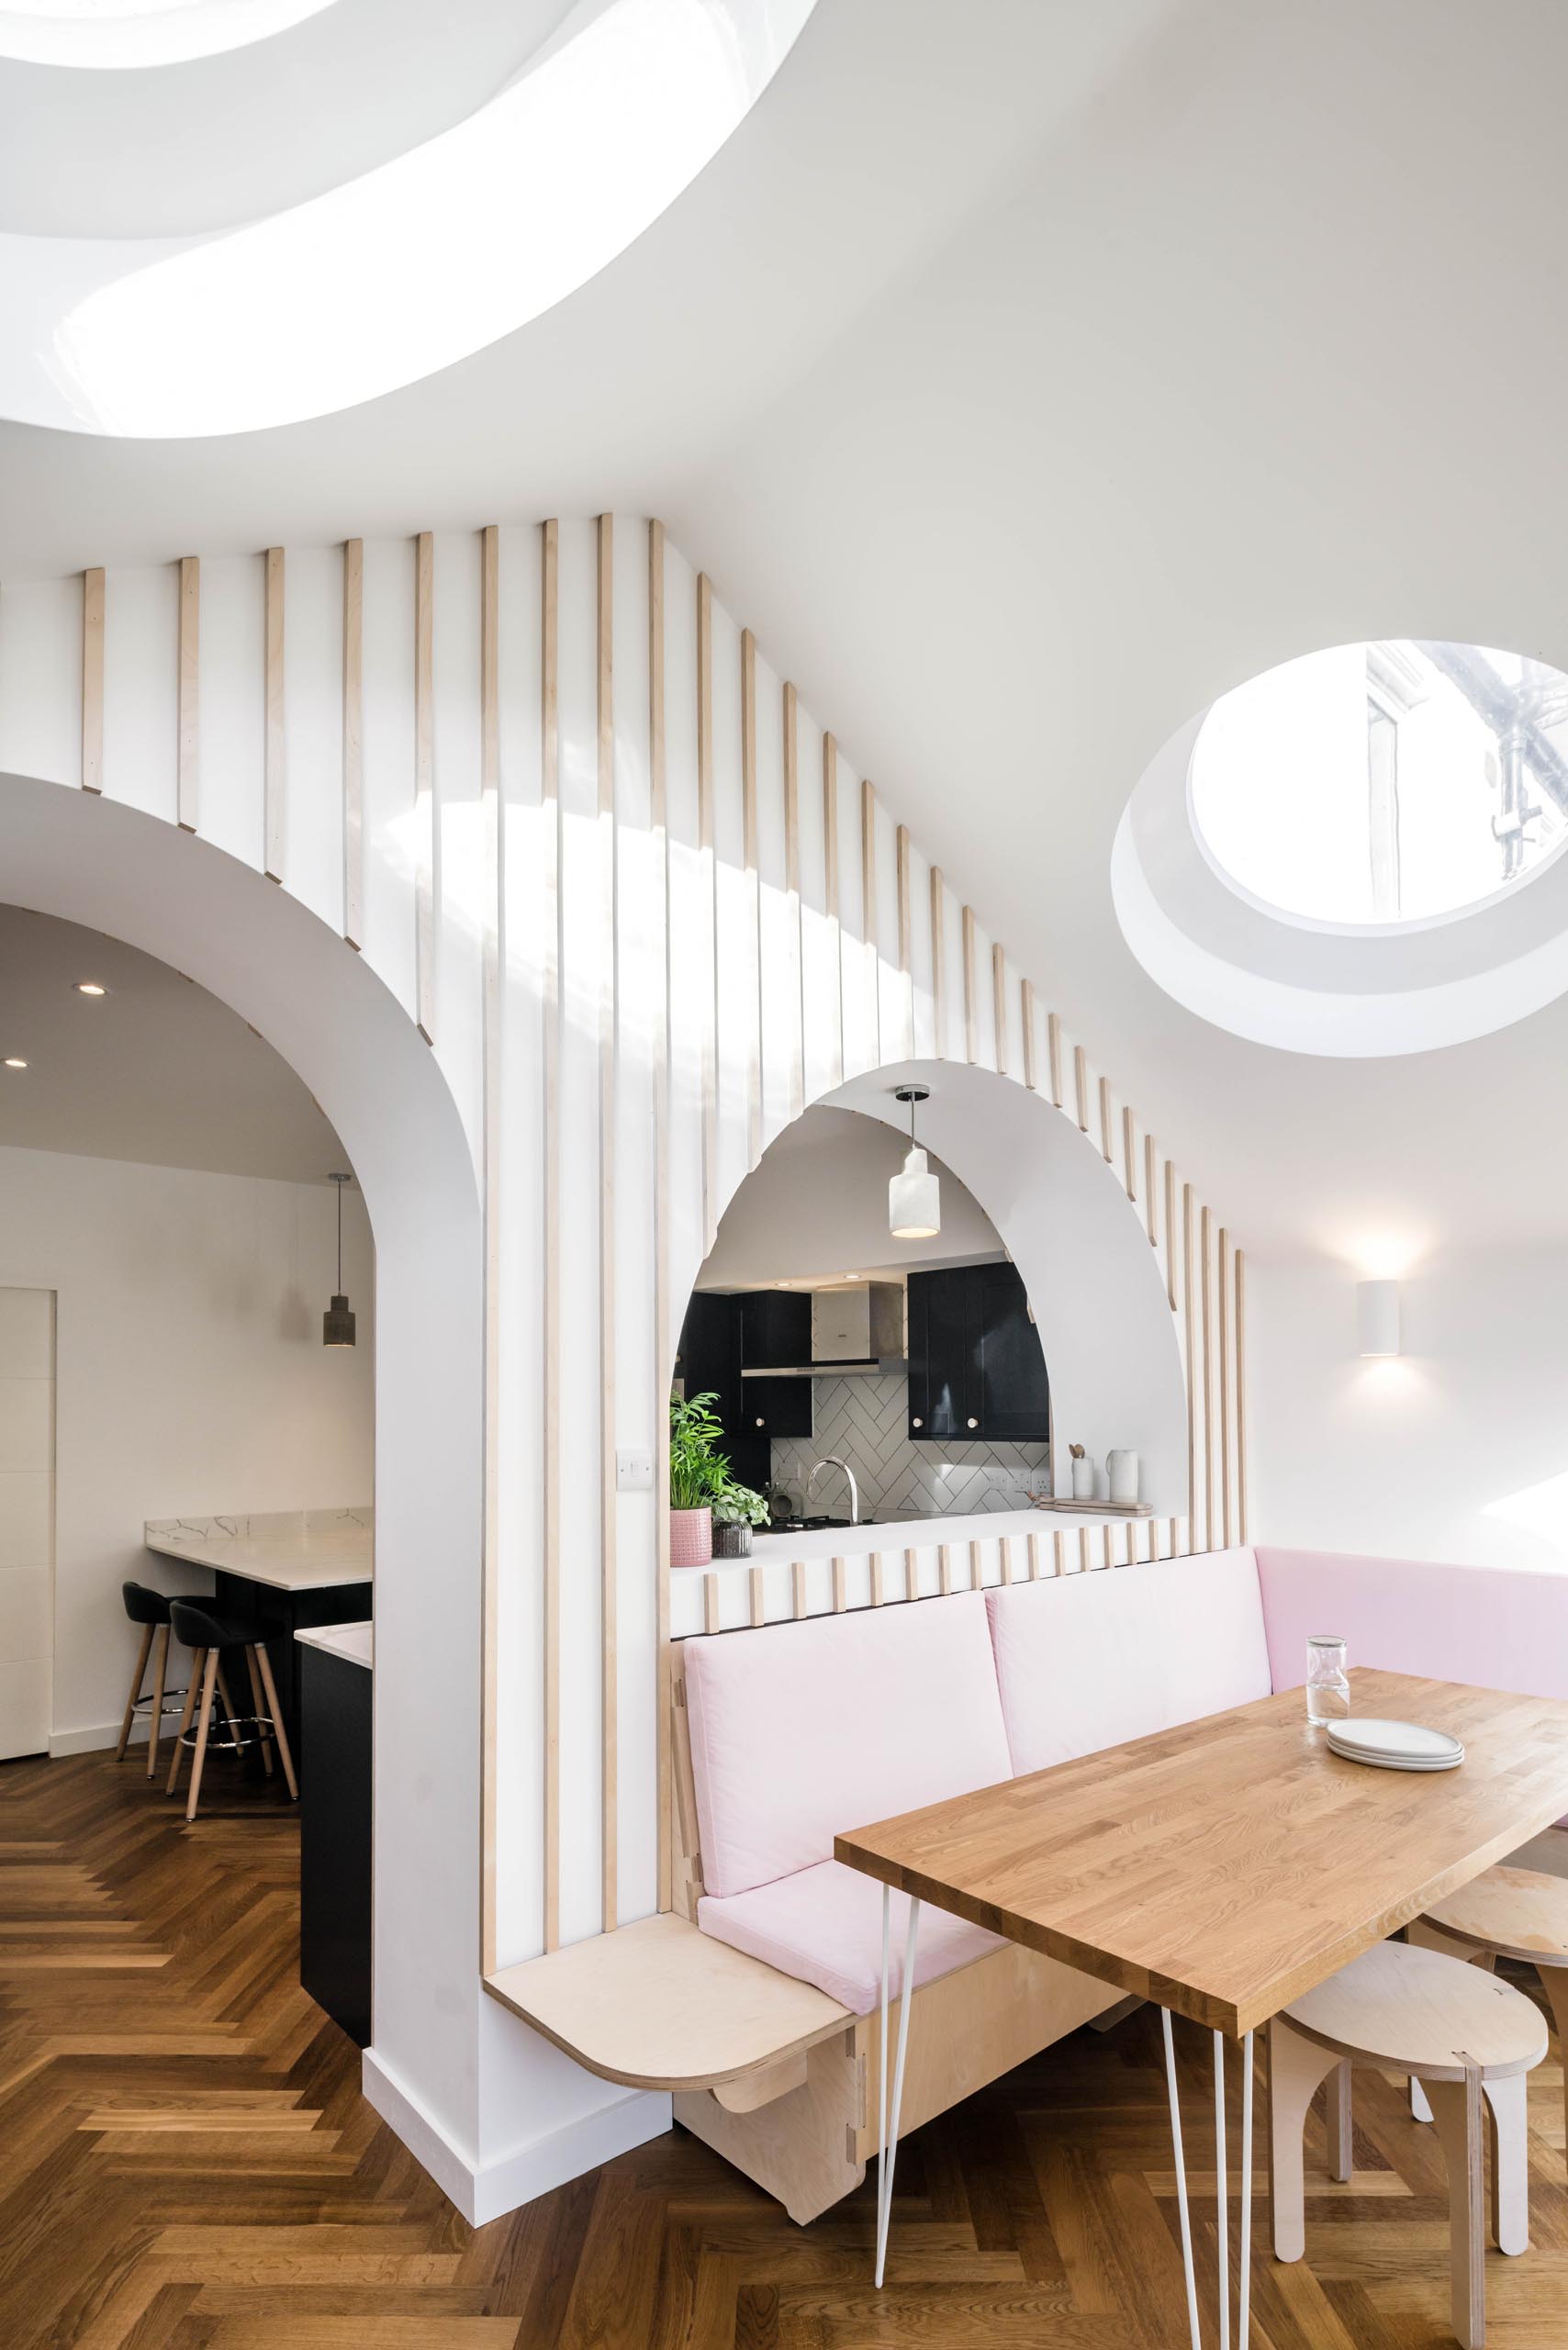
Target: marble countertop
[
  {"x": 908, "y": 1534},
  {"x": 355, "y": 1642},
  {"x": 290, "y": 1549}
]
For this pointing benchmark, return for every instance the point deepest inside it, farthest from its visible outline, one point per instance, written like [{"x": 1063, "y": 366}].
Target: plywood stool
[
  {"x": 1468, "y": 2039},
  {"x": 1509, "y": 1913}
]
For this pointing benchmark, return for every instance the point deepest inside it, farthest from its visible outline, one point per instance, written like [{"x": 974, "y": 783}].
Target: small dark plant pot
[{"x": 731, "y": 1541}]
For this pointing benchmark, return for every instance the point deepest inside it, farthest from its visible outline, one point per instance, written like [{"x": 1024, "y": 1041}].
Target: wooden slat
[
  {"x": 840, "y": 1588},
  {"x": 1190, "y": 1326},
  {"x": 798, "y": 1585},
  {"x": 274, "y": 775},
  {"x": 93, "y": 602},
  {"x": 607, "y": 1054},
  {"x": 830, "y": 880},
  {"x": 1206, "y": 1337},
  {"x": 945, "y": 1567},
  {"x": 189, "y": 752},
  {"x": 1083, "y": 1550},
  {"x": 1107, "y": 1148},
  {"x": 999, "y": 1006},
  {"x": 1241, "y": 1535},
  {"x": 869, "y": 913},
  {"x": 1171, "y": 1232},
  {"x": 490, "y": 800},
  {"x": 710, "y": 1616},
  {"x": 1081, "y": 1085},
  {"x": 424, "y": 784},
  {"x": 1130, "y": 1150},
  {"x": 550, "y": 803},
  {"x": 1224, "y": 1386},
  {"x": 1075, "y": 1861},
  {"x": 1053, "y": 1049},
  {"x": 751, "y": 853},
  {"x": 353, "y": 741},
  {"x": 755, "y": 1591},
  {"x": 792, "y": 899},
  {"x": 911, "y": 1575},
  {"x": 976, "y": 1577},
  {"x": 938, "y": 962},
  {"x": 1059, "y": 1553},
  {"x": 709, "y": 885},
  {"x": 1026, "y": 997},
  {"x": 876, "y": 1593},
  {"x": 906, "y": 967},
  {"x": 970, "y": 1022},
  {"x": 662, "y": 1364},
  {"x": 1151, "y": 1190}
]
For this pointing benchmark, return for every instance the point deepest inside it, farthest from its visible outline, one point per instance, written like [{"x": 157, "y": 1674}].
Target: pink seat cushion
[
  {"x": 1085, "y": 1661},
  {"x": 824, "y": 1926},
  {"x": 800, "y": 1731}
]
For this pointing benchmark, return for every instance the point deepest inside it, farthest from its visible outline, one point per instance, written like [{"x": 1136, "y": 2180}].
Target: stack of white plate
[{"x": 1395, "y": 1746}]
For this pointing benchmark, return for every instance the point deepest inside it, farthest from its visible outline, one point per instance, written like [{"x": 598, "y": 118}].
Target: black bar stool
[
  {"x": 151, "y": 1610},
  {"x": 209, "y": 1637}
]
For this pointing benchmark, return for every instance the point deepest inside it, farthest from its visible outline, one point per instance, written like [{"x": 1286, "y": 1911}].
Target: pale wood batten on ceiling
[{"x": 568, "y": 829}]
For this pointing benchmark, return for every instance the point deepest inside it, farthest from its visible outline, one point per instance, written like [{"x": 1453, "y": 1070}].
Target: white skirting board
[
  {"x": 528, "y": 2171},
  {"x": 94, "y": 1739}
]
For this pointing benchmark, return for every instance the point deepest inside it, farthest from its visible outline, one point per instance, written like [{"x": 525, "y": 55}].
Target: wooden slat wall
[{"x": 658, "y": 825}]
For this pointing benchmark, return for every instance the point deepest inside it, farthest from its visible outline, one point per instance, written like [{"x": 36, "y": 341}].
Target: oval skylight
[
  {"x": 1384, "y": 786},
  {"x": 100, "y": 34},
  {"x": 406, "y": 269}
]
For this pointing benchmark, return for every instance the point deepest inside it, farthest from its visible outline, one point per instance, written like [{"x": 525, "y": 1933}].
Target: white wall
[
  {"x": 1455, "y": 1450},
  {"x": 816, "y": 1203},
  {"x": 190, "y": 1376}
]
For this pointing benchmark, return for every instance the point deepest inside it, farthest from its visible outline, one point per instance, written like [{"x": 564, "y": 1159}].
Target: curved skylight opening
[
  {"x": 1385, "y": 786},
  {"x": 402, "y": 271},
  {"x": 100, "y": 34}
]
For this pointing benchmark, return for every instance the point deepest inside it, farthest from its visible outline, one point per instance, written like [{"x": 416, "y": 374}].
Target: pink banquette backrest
[
  {"x": 801, "y": 1731},
  {"x": 1088, "y": 1661},
  {"x": 1497, "y": 1627}
]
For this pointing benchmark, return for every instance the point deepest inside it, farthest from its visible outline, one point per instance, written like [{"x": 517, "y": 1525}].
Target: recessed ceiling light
[
  {"x": 12, "y": 1062},
  {"x": 91, "y": 986}
]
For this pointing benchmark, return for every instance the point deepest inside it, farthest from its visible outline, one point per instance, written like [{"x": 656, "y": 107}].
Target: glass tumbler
[{"x": 1327, "y": 1687}]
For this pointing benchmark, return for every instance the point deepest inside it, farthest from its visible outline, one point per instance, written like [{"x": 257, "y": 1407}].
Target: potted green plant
[
  {"x": 698, "y": 1473},
  {"x": 736, "y": 1509}
]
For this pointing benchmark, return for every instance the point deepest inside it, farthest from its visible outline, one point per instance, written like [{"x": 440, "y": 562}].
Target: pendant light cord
[{"x": 340, "y": 1239}]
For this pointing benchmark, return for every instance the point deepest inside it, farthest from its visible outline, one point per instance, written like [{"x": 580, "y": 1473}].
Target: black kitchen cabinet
[
  {"x": 778, "y": 1407},
  {"x": 977, "y": 1371},
  {"x": 335, "y": 1838},
  {"x": 776, "y": 1328},
  {"x": 708, "y": 1363}
]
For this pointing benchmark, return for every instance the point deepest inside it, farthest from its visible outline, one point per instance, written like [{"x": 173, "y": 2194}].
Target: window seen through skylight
[{"x": 1380, "y": 784}]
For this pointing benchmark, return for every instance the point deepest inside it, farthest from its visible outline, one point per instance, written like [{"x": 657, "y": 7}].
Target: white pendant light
[{"x": 914, "y": 1195}]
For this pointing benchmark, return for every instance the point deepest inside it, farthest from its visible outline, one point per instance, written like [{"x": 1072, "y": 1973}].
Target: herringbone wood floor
[{"x": 185, "y": 2160}]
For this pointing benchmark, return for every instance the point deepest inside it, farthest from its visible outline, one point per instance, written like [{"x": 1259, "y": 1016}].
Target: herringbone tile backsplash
[{"x": 865, "y": 1421}]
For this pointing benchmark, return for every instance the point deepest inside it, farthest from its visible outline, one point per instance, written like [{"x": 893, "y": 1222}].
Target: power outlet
[{"x": 634, "y": 1472}]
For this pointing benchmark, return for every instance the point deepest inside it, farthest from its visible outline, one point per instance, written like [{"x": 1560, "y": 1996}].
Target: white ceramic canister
[
  {"x": 1083, "y": 1479},
  {"x": 1121, "y": 1469}
]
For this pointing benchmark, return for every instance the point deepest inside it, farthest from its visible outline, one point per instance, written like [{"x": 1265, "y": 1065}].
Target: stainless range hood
[{"x": 856, "y": 1332}]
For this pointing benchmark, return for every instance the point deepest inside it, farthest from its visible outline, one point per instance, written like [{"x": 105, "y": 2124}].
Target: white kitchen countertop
[
  {"x": 290, "y": 1550},
  {"x": 910, "y": 1534},
  {"x": 355, "y": 1642}
]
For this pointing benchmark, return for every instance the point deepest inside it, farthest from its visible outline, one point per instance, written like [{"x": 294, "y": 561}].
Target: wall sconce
[{"x": 1377, "y": 1318}]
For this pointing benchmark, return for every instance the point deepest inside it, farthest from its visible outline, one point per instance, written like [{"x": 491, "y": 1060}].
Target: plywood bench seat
[{"x": 660, "y": 2005}]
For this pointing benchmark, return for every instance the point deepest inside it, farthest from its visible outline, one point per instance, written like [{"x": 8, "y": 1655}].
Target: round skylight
[
  {"x": 1378, "y": 787},
  {"x": 120, "y": 33}
]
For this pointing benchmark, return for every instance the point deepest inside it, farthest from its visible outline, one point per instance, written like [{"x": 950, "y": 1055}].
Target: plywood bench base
[{"x": 810, "y": 2148}]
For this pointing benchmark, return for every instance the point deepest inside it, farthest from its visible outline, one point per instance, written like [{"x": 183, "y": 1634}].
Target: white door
[{"x": 27, "y": 1518}]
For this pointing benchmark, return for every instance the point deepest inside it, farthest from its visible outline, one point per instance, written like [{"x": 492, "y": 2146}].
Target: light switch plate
[{"x": 633, "y": 1472}]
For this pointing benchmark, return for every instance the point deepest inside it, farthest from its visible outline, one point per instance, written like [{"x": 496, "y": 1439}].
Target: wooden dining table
[{"x": 1220, "y": 1869}]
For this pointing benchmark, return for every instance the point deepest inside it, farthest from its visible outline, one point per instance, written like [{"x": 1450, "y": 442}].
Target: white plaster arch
[
  {"x": 1095, "y": 1285},
  {"x": 264, "y": 954}
]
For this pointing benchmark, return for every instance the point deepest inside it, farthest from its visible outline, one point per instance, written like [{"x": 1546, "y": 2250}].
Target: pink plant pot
[{"x": 691, "y": 1537}]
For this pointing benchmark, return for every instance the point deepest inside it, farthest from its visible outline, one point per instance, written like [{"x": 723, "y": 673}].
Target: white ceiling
[
  {"x": 1026, "y": 375},
  {"x": 157, "y": 1071}
]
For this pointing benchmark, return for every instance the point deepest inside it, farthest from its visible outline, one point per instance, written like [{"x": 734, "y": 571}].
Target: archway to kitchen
[
  {"x": 1030, "y": 1187},
  {"x": 117, "y": 870}
]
